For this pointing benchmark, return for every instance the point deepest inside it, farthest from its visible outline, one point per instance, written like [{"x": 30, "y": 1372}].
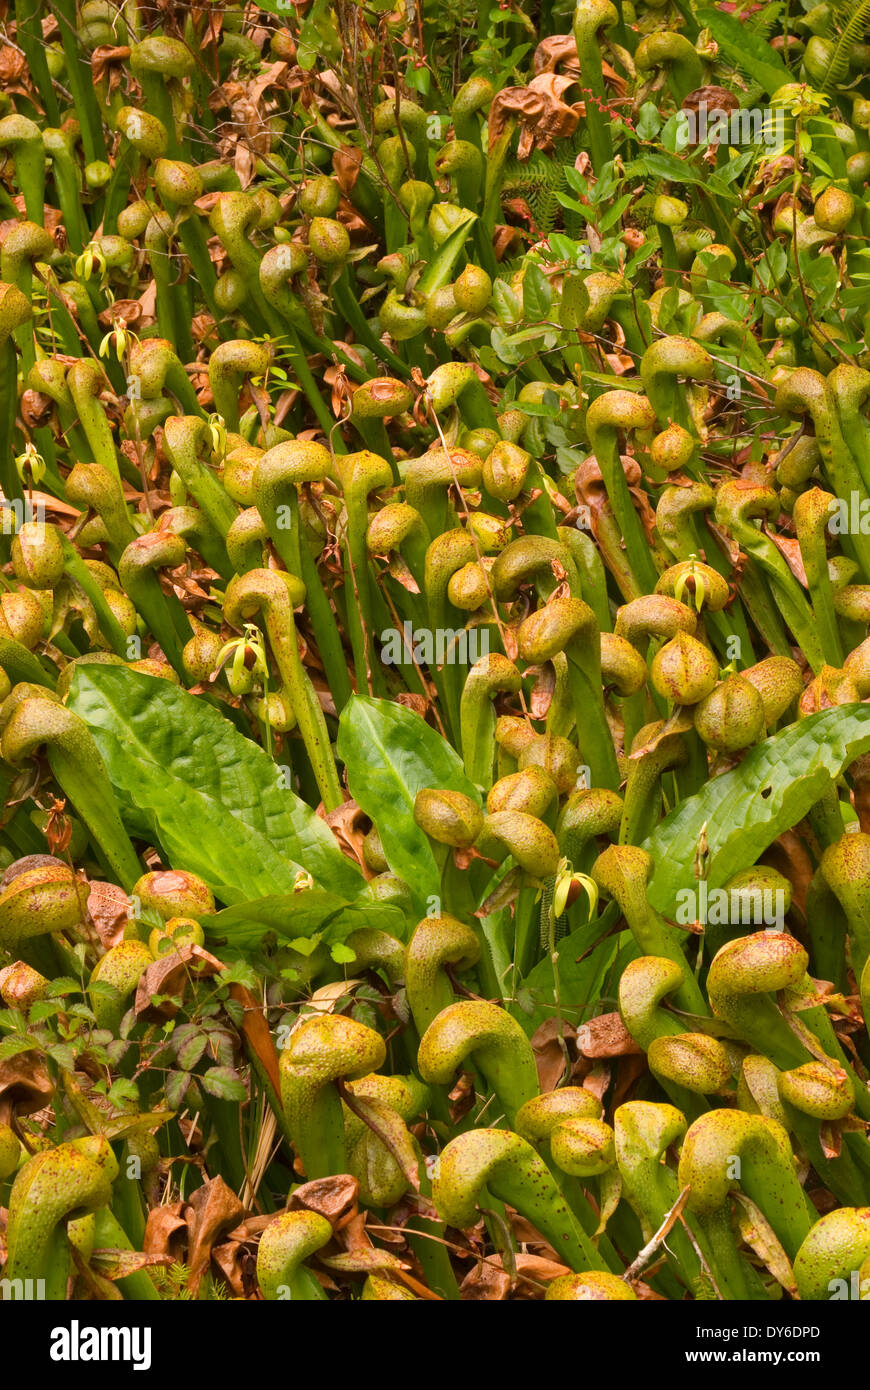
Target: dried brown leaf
[
  {"x": 117, "y": 1264},
  {"x": 13, "y": 65},
  {"x": 109, "y": 910},
  {"x": 258, "y": 1034},
  {"x": 541, "y": 114},
  {"x": 349, "y": 826},
  {"x": 212, "y": 1209},
  {"x": 789, "y": 548},
  {"x": 162, "y": 1225},
  {"x": 170, "y": 975},
  {"x": 758, "y": 1233},
  {"x": 606, "y": 1036},
  {"x": 25, "y": 1085},
  {"x": 234, "y": 1261},
  {"x": 487, "y": 1282},
  {"x": 549, "y": 1052}
]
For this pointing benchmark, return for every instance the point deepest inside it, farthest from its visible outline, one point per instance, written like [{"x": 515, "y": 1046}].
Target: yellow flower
[
  {"x": 91, "y": 259},
  {"x": 217, "y": 433},
  {"x": 238, "y": 648},
  {"x": 32, "y": 462},
  {"x": 119, "y": 336},
  {"x": 700, "y": 584},
  {"x": 566, "y": 877}
]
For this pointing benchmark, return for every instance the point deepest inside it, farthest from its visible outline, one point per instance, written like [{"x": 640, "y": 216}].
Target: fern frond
[
  {"x": 762, "y": 23},
  {"x": 848, "y": 36}
]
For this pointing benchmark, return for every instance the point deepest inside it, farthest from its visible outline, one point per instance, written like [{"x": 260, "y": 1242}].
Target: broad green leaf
[
  {"x": 391, "y": 754},
  {"x": 11, "y": 1046},
  {"x": 658, "y": 164},
  {"x": 746, "y": 809},
  {"x": 537, "y": 295},
  {"x": 64, "y": 984},
  {"x": 772, "y": 266},
  {"x": 507, "y": 305},
  {"x": 746, "y": 49},
  {"x": 191, "y": 1050},
  {"x": 176, "y": 1086},
  {"x": 509, "y": 356},
  {"x": 125, "y": 1125},
  {"x": 63, "y": 1054},
  {"x": 540, "y": 410},
  {"x": 297, "y": 916},
  {"x": 614, "y": 212},
  {"x": 669, "y": 307},
  {"x": 43, "y": 1009},
  {"x": 649, "y": 122},
  {"x": 223, "y": 1084},
  {"x": 527, "y": 335},
  {"x": 439, "y": 271},
  {"x": 185, "y": 778},
  {"x": 601, "y": 379},
  {"x": 580, "y": 978}
]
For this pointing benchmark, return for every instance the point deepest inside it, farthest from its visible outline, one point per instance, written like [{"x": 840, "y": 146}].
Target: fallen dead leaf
[
  {"x": 25, "y": 1085},
  {"x": 171, "y": 975},
  {"x": 543, "y": 117},
  {"x": 162, "y": 1225},
  {"x": 549, "y": 1055},
  {"x": 606, "y": 1036},
  {"x": 487, "y": 1282},
  {"x": 348, "y": 824},
  {"x": 258, "y": 1033},
  {"x": 109, "y": 910},
  {"x": 211, "y": 1210}
]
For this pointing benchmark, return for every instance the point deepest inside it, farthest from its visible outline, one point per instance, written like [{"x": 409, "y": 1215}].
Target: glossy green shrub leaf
[
  {"x": 186, "y": 779},
  {"x": 746, "y": 809},
  {"x": 537, "y": 295},
  {"x": 223, "y": 1084},
  {"x": 391, "y": 754},
  {"x": 747, "y": 50},
  {"x": 309, "y": 915},
  {"x": 584, "y": 960}
]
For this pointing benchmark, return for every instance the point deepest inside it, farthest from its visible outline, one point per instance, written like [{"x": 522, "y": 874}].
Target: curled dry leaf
[
  {"x": 758, "y": 1233},
  {"x": 537, "y": 1269},
  {"x": 104, "y": 58},
  {"x": 399, "y": 570},
  {"x": 487, "y": 1282},
  {"x": 36, "y": 408},
  {"x": 417, "y": 703},
  {"x": 553, "y": 51},
  {"x": 711, "y": 99},
  {"x": 117, "y": 1264},
  {"x": 25, "y": 1085},
  {"x": 335, "y": 1198},
  {"x": 346, "y": 164},
  {"x": 606, "y": 1036},
  {"x": 13, "y": 65},
  {"x": 171, "y": 975},
  {"x": 597, "y": 1080},
  {"x": 212, "y": 1209},
  {"x": 109, "y": 910},
  {"x": 539, "y": 111},
  {"x": 549, "y": 1052},
  {"x": 237, "y": 1267},
  {"x": 326, "y": 999},
  {"x": 349, "y": 826},
  {"x": 162, "y": 1228}
]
